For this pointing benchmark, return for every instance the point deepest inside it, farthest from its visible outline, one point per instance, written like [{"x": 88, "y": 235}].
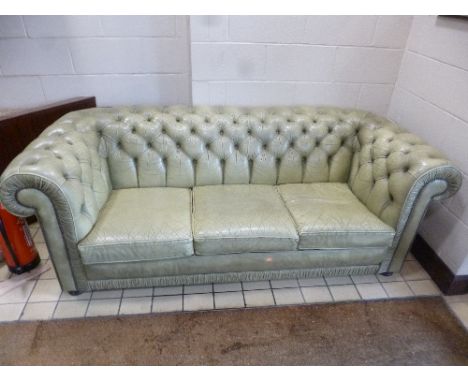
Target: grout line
[
  {"x": 271, "y": 291},
  {"x": 183, "y": 298},
  {"x": 300, "y": 44},
  {"x": 152, "y": 299},
  {"x": 291, "y": 82},
  {"x": 357, "y": 289},
  {"x": 25, "y": 29},
  {"x": 449, "y": 113},
  {"x": 55, "y": 308},
  {"x": 213, "y": 295},
  {"x": 300, "y": 291},
  {"x": 437, "y": 60},
  {"x": 87, "y": 306},
  {"x": 120, "y": 304},
  {"x": 243, "y": 298},
  {"x": 27, "y": 300},
  {"x": 374, "y": 31}
]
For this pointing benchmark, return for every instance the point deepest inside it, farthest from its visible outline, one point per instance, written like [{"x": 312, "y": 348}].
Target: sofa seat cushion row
[
  {"x": 328, "y": 215},
  {"x": 241, "y": 218},
  {"x": 158, "y": 223},
  {"x": 138, "y": 224}
]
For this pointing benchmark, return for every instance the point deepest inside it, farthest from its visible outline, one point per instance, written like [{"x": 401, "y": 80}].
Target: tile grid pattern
[{"x": 42, "y": 299}]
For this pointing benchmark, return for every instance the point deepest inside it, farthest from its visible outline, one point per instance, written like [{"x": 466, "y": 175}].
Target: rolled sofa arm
[
  {"x": 396, "y": 175},
  {"x": 61, "y": 178}
]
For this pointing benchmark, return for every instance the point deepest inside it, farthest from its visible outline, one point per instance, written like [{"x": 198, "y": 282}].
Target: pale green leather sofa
[{"x": 138, "y": 197}]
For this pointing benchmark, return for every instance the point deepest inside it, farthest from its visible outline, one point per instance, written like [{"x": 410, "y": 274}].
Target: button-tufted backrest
[
  {"x": 86, "y": 153},
  {"x": 386, "y": 164},
  {"x": 184, "y": 147}
]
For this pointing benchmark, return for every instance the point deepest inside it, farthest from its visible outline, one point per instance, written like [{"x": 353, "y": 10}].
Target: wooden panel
[
  {"x": 447, "y": 282},
  {"x": 18, "y": 129}
]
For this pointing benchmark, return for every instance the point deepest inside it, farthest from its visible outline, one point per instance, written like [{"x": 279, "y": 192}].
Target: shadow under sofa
[{"x": 147, "y": 196}]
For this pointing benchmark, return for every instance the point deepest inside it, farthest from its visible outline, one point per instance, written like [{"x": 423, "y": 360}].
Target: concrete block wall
[
  {"x": 431, "y": 99},
  {"x": 264, "y": 60},
  {"x": 120, "y": 60}
]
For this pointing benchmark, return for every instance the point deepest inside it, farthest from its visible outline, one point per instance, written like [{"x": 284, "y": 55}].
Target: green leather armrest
[
  {"x": 61, "y": 178},
  {"x": 396, "y": 175}
]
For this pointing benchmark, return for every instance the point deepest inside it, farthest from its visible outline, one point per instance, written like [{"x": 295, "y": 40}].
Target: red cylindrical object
[{"x": 19, "y": 251}]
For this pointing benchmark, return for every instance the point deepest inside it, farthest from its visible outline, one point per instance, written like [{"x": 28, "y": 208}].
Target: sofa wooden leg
[
  {"x": 387, "y": 273},
  {"x": 74, "y": 292}
]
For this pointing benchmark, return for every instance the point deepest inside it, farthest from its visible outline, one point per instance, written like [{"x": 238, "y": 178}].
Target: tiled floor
[{"x": 42, "y": 299}]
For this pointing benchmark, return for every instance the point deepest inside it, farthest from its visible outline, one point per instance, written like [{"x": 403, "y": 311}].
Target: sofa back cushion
[{"x": 185, "y": 147}]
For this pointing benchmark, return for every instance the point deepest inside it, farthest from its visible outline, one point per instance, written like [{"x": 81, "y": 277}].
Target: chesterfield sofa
[{"x": 141, "y": 197}]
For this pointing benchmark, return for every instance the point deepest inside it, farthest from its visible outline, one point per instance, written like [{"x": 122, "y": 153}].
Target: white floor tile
[
  {"x": 288, "y": 296},
  {"x": 456, "y": 298},
  {"x": 205, "y": 288},
  {"x": 65, "y": 296},
  {"x": 33, "y": 227},
  {"x": 43, "y": 251},
  {"x": 106, "y": 294},
  {"x": 19, "y": 294},
  {"x": 410, "y": 257},
  {"x": 461, "y": 311},
  {"x": 397, "y": 289},
  {"x": 390, "y": 279},
  {"x": 228, "y": 300},
  {"x": 46, "y": 290},
  {"x": 316, "y": 294},
  {"x": 315, "y": 281},
  {"x": 344, "y": 292},
  {"x": 50, "y": 274},
  {"x": 167, "y": 304},
  {"x": 200, "y": 301},
  {"x": 103, "y": 307},
  {"x": 167, "y": 291},
  {"x": 252, "y": 285},
  {"x": 227, "y": 287},
  {"x": 364, "y": 279},
  {"x": 38, "y": 311},
  {"x": 138, "y": 292},
  {"x": 291, "y": 283},
  {"x": 10, "y": 312},
  {"x": 424, "y": 288},
  {"x": 371, "y": 291},
  {"x": 341, "y": 280},
  {"x": 412, "y": 270},
  {"x": 71, "y": 309},
  {"x": 136, "y": 305},
  {"x": 260, "y": 297},
  {"x": 39, "y": 237}
]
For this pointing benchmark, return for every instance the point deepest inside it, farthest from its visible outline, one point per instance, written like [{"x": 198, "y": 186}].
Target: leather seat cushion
[
  {"x": 241, "y": 218},
  {"x": 141, "y": 224},
  {"x": 328, "y": 215}
]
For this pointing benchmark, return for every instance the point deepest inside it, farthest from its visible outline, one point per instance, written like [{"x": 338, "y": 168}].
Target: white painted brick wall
[
  {"x": 12, "y": 26},
  {"x": 119, "y": 59},
  {"x": 299, "y": 63},
  {"x": 262, "y": 60},
  {"x": 431, "y": 98}
]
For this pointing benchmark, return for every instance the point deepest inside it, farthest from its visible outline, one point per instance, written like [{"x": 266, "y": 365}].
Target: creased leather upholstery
[
  {"x": 241, "y": 218},
  {"x": 82, "y": 157},
  {"x": 138, "y": 224},
  {"x": 328, "y": 215},
  {"x": 386, "y": 164}
]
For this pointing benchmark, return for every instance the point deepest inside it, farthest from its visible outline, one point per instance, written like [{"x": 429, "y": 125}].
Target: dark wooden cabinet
[{"x": 18, "y": 129}]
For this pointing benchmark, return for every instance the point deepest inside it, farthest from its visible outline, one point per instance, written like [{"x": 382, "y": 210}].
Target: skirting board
[{"x": 448, "y": 283}]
